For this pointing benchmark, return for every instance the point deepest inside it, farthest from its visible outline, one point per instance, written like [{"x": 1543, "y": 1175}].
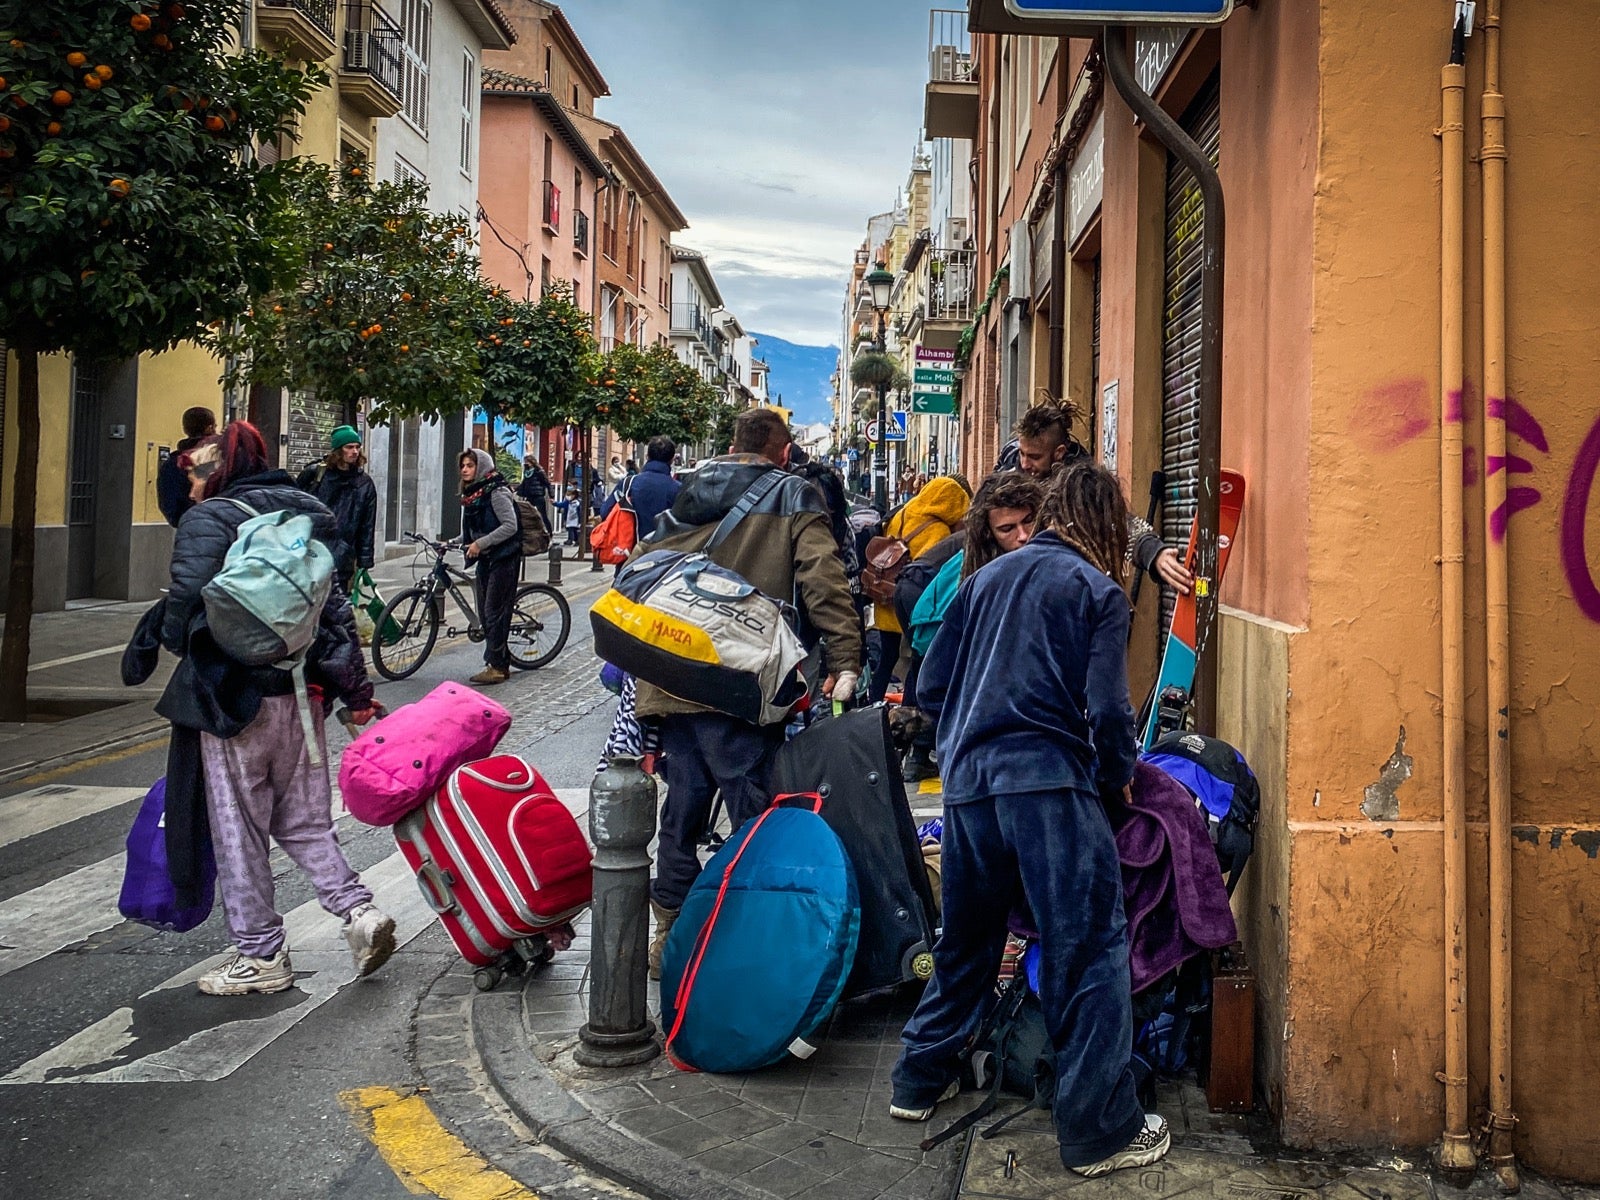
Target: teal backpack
[{"x": 264, "y": 605}]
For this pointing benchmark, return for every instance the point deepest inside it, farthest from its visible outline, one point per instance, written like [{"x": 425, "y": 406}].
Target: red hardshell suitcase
[{"x": 501, "y": 862}]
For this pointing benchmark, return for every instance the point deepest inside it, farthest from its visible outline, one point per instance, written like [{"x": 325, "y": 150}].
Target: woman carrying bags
[
  {"x": 494, "y": 541},
  {"x": 261, "y": 783}
]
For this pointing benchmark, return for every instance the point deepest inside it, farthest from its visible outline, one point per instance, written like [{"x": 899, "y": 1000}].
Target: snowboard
[{"x": 1178, "y": 660}]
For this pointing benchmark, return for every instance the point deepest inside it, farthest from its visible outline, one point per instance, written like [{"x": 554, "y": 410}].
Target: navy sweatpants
[
  {"x": 1056, "y": 849},
  {"x": 704, "y": 752}
]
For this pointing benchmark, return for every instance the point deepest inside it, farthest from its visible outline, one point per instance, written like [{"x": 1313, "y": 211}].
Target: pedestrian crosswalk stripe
[
  {"x": 426, "y": 1157},
  {"x": 44, "y": 808},
  {"x": 60, "y": 913},
  {"x": 172, "y": 1034}
]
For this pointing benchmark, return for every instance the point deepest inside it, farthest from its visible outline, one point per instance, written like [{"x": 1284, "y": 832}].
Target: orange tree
[
  {"x": 537, "y": 359},
  {"x": 642, "y": 393},
  {"x": 131, "y": 215},
  {"x": 380, "y": 306}
]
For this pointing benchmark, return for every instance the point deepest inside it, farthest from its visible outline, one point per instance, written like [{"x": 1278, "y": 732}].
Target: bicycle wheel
[
  {"x": 403, "y": 635},
  {"x": 540, "y": 623}
]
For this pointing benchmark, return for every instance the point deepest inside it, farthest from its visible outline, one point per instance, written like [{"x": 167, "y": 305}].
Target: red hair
[{"x": 244, "y": 453}]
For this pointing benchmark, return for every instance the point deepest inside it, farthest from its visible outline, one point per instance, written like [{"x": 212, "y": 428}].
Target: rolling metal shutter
[
  {"x": 1094, "y": 365},
  {"x": 1180, "y": 333}
]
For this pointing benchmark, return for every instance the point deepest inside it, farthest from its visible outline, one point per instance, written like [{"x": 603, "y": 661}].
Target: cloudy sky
[{"x": 778, "y": 126}]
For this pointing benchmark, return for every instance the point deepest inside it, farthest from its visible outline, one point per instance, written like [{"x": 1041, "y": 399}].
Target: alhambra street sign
[{"x": 1123, "y": 12}]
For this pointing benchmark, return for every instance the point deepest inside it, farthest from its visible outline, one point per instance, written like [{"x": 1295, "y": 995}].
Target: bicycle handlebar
[{"x": 439, "y": 548}]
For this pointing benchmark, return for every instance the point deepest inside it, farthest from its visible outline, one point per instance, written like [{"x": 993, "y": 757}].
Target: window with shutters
[
  {"x": 404, "y": 172},
  {"x": 416, "y": 25},
  {"x": 469, "y": 91}
]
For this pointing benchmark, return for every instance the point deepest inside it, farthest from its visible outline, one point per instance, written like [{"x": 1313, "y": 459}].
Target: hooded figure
[
  {"x": 929, "y": 517},
  {"x": 341, "y": 482}
]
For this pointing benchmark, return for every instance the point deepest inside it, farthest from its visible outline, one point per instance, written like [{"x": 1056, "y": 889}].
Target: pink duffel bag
[{"x": 403, "y": 759}]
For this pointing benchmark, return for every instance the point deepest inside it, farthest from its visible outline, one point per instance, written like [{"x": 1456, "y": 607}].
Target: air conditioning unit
[{"x": 942, "y": 64}]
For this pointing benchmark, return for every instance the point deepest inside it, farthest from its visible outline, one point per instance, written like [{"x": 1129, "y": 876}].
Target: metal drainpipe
[
  {"x": 1059, "y": 287},
  {"x": 1497, "y": 608},
  {"x": 1171, "y": 135},
  {"x": 1457, "y": 1159}
]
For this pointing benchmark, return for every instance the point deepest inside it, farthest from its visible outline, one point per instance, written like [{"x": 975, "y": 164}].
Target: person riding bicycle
[{"x": 489, "y": 527}]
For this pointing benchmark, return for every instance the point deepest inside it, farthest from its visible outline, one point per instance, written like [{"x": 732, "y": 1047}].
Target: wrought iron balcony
[
  {"x": 951, "y": 109},
  {"x": 303, "y": 27},
  {"x": 370, "y": 76}
]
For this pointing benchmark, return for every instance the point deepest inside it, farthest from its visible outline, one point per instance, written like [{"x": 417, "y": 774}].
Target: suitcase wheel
[
  {"x": 917, "y": 963},
  {"x": 535, "y": 950},
  {"x": 486, "y": 979}
]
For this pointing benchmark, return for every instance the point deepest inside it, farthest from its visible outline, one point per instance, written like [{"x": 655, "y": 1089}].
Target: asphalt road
[{"x": 118, "y": 1079}]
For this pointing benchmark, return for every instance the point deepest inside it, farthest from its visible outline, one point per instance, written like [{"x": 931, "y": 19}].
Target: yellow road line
[{"x": 425, "y": 1157}]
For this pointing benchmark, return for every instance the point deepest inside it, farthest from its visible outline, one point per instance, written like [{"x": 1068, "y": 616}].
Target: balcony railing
[
  {"x": 373, "y": 47},
  {"x": 305, "y": 26},
  {"x": 691, "y": 319},
  {"x": 552, "y": 206},
  {"x": 949, "y": 46},
  {"x": 949, "y": 287},
  {"x": 580, "y": 232}
]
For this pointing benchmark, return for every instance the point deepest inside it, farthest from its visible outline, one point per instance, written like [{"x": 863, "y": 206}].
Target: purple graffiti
[
  {"x": 1575, "y": 522},
  {"x": 1519, "y": 421},
  {"x": 1522, "y": 424}
]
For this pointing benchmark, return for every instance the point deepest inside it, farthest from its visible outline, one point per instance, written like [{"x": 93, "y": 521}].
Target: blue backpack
[{"x": 763, "y": 944}]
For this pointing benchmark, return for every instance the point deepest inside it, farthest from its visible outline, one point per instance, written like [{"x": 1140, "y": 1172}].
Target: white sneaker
[
  {"x": 369, "y": 932},
  {"x": 242, "y": 975},
  {"x": 1149, "y": 1145},
  {"x": 922, "y": 1114}
]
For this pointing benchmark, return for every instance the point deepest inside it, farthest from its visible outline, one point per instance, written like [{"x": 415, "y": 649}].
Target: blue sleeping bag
[{"x": 763, "y": 944}]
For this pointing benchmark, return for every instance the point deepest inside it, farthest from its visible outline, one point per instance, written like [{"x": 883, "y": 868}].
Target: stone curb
[
  {"x": 559, "y": 1120},
  {"x": 147, "y": 731}
]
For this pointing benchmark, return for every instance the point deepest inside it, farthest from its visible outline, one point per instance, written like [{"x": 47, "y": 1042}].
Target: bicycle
[{"x": 405, "y": 632}]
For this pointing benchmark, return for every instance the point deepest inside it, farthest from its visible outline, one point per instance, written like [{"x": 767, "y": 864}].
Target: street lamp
[{"x": 881, "y": 284}]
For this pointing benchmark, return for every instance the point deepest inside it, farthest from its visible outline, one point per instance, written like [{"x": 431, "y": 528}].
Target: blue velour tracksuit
[{"x": 1028, "y": 679}]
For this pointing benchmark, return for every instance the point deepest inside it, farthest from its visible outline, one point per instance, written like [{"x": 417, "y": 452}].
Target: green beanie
[{"x": 345, "y": 436}]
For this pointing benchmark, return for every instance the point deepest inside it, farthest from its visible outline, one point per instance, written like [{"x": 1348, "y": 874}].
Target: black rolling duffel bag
[{"x": 850, "y": 761}]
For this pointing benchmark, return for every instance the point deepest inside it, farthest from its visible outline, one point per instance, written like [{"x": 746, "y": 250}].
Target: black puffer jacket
[
  {"x": 334, "y": 662},
  {"x": 353, "y": 498}
]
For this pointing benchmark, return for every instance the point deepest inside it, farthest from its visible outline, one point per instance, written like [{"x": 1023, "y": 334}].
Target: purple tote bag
[{"x": 148, "y": 896}]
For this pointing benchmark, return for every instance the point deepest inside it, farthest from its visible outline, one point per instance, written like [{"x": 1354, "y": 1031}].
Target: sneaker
[
  {"x": 1149, "y": 1145},
  {"x": 922, "y": 1114},
  {"x": 658, "y": 944},
  {"x": 242, "y": 975},
  {"x": 918, "y": 766},
  {"x": 369, "y": 932},
  {"x": 490, "y": 675}
]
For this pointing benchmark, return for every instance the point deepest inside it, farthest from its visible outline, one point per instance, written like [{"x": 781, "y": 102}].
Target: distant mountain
[{"x": 801, "y": 374}]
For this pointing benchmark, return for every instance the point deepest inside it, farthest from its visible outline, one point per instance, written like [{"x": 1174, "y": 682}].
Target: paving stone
[
  {"x": 831, "y": 1155},
  {"x": 678, "y": 1085},
  {"x": 857, "y": 1079},
  {"x": 784, "y": 1102},
  {"x": 879, "y": 1171},
  {"x": 733, "y": 1159},
  {"x": 689, "y": 1138},
  {"x": 839, "y": 1189},
  {"x": 784, "y": 1179},
  {"x": 742, "y": 1120},
  {"x": 833, "y": 1110},
  {"x": 611, "y": 1100},
  {"x": 648, "y": 1121},
  {"x": 785, "y": 1137},
  {"x": 924, "y": 1183},
  {"x": 706, "y": 1103}
]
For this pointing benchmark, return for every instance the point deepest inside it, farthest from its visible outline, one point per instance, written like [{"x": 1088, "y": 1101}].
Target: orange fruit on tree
[
  {"x": 5, "y": 124},
  {"x": 75, "y": 59},
  {"x": 104, "y": 71},
  {"x": 86, "y": 275},
  {"x": 215, "y": 123},
  {"x": 328, "y": 246},
  {"x": 527, "y": 341},
  {"x": 119, "y": 187},
  {"x": 161, "y": 41},
  {"x": 61, "y": 97},
  {"x": 404, "y": 349},
  {"x": 140, "y": 22},
  {"x": 2, "y": 83},
  {"x": 186, "y": 104},
  {"x": 405, "y": 297},
  {"x": 18, "y": 44},
  {"x": 377, "y": 328},
  {"x": 175, "y": 11},
  {"x": 92, "y": 81},
  {"x": 355, "y": 172},
  {"x": 53, "y": 129}
]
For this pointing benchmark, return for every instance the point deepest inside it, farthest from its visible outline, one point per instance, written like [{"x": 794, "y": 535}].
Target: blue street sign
[
  {"x": 1143, "y": 12},
  {"x": 898, "y": 420}
]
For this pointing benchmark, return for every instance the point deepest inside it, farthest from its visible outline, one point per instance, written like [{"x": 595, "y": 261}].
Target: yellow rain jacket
[{"x": 932, "y": 515}]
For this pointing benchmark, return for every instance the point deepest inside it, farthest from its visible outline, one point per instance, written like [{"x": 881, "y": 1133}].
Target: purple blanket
[{"x": 1172, "y": 885}]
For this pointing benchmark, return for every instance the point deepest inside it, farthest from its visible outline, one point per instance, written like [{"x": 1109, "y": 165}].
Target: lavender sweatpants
[{"x": 261, "y": 783}]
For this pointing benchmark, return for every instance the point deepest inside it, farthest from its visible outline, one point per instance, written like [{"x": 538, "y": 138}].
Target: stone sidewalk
[{"x": 819, "y": 1128}]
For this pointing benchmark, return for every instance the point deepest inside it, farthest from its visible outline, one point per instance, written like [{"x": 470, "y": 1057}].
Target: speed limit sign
[{"x": 872, "y": 431}]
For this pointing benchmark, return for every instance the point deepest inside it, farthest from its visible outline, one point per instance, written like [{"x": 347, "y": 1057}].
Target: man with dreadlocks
[{"x": 1028, "y": 679}]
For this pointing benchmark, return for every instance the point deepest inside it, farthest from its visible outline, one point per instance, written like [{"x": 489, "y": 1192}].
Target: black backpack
[
  {"x": 916, "y": 575},
  {"x": 1011, "y": 1052}
]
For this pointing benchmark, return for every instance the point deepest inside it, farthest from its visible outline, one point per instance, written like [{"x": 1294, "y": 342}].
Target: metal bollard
[
  {"x": 555, "y": 566},
  {"x": 622, "y": 820}
]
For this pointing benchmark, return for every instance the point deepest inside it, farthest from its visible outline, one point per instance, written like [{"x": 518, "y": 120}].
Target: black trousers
[
  {"x": 703, "y": 752},
  {"x": 497, "y": 596}
]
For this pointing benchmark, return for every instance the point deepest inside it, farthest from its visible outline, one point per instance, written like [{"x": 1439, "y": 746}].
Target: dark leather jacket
[
  {"x": 334, "y": 661},
  {"x": 352, "y": 497}
]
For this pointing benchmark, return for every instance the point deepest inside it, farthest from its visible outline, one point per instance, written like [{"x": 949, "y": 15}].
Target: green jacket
[
  {"x": 928, "y": 615},
  {"x": 784, "y": 546}
]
